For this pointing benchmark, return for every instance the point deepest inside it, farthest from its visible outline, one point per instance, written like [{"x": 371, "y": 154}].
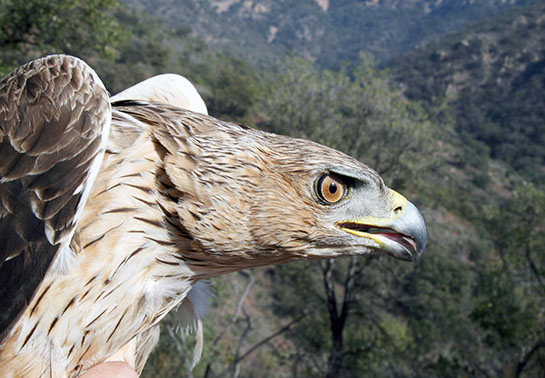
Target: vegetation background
[{"x": 444, "y": 98}]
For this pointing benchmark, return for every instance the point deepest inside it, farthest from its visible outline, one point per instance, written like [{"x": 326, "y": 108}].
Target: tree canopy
[
  {"x": 70, "y": 26},
  {"x": 472, "y": 306}
]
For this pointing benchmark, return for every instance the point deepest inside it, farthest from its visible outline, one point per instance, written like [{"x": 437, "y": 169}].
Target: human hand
[{"x": 110, "y": 369}]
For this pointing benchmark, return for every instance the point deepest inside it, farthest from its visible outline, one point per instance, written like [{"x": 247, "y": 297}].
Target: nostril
[{"x": 398, "y": 210}]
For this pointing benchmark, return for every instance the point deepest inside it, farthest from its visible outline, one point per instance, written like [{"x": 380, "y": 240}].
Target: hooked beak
[{"x": 402, "y": 234}]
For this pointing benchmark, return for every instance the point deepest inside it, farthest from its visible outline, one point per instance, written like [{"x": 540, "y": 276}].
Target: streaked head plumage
[{"x": 260, "y": 198}]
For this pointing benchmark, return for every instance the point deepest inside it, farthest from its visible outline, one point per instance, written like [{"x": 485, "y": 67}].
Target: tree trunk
[
  {"x": 338, "y": 316},
  {"x": 336, "y": 354},
  {"x": 337, "y": 322}
]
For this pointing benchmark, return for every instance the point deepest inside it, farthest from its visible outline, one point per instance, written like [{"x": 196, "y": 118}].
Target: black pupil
[{"x": 333, "y": 188}]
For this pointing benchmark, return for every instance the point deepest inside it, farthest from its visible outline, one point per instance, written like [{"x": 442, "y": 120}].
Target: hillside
[
  {"x": 328, "y": 31},
  {"x": 494, "y": 77},
  {"x": 474, "y": 304}
]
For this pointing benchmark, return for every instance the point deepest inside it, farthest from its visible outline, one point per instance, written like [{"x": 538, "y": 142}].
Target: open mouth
[{"x": 407, "y": 242}]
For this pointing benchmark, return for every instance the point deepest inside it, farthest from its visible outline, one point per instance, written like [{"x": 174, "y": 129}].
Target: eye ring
[{"x": 330, "y": 189}]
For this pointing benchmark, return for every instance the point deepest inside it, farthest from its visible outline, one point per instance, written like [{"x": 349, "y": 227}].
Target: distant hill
[
  {"x": 328, "y": 31},
  {"x": 494, "y": 74}
]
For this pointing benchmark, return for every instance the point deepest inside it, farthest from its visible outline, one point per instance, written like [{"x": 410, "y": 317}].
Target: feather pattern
[
  {"x": 112, "y": 215},
  {"x": 54, "y": 121}
]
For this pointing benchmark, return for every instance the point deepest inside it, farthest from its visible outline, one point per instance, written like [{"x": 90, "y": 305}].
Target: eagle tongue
[{"x": 399, "y": 238}]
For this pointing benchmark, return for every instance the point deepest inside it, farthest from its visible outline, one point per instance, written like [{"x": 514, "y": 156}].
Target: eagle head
[{"x": 249, "y": 198}]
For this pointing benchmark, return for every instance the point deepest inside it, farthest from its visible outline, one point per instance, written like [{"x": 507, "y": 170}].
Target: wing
[
  {"x": 170, "y": 89},
  {"x": 54, "y": 122}
]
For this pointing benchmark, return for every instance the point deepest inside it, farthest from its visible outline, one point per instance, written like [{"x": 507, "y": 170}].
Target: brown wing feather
[{"x": 54, "y": 118}]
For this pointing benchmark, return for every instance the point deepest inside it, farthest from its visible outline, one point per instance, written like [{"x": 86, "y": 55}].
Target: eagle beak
[{"x": 402, "y": 234}]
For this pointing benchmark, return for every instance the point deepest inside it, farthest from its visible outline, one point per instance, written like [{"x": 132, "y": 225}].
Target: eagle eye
[{"x": 330, "y": 189}]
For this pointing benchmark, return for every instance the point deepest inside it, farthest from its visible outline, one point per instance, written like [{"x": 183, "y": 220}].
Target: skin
[{"x": 110, "y": 369}]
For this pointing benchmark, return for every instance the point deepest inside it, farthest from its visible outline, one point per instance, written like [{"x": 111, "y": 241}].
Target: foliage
[
  {"x": 68, "y": 26},
  {"x": 473, "y": 305},
  {"x": 261, "y": 30},
  {"x": 357, "y": 112},
  {"x": 235, "y": 89},
  {"x": 512, "y": 303},
  {"x": 493, "y": 74},
  {"x": 440, "y": 318}
]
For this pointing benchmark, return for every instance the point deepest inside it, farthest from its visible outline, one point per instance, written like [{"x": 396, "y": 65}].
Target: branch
[
  {"x": 351, "y": 274},
  {"x": 273, "y": 335},
  {"x": 239, "y": 306},
  {"x": 264, "y": 341},
  {"x": 244, "y": 334},
  {"x": 235, "y": 317},
  {"x": 239, "y": 346},
  {"x": 522, "y": 364},
  {"x": 533, "y": 266},
  {"x": 327, "y": 270}
]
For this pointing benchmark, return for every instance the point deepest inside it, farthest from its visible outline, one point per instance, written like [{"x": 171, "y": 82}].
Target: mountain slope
[
  {"x": 494, "y": 75},
  {"x": 328, "y": 31}
]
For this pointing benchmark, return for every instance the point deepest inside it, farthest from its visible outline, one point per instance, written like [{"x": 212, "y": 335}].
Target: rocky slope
[{"x": 328, "y": 31}]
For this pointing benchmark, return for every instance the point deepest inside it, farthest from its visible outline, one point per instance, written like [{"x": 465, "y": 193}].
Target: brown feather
[
  {"x": 180, "y": 196},
  {"x": 43, "y": 156}
]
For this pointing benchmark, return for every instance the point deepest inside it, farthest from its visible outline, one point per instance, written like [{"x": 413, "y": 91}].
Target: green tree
[
  {"x": 235, "y": 89},
  {"x": 511, "y": 306},
  {"x": 70, "y": 26},
  {"x": 360, "y": 113}
]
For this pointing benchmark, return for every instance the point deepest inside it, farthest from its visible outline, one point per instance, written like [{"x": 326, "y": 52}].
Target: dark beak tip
[
  {"x": 404, "y": 255},
  {"x": 419, "y": 232}
]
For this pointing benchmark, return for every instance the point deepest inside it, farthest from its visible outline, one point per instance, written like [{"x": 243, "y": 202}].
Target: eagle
[{"x": 114, "y": 209}]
